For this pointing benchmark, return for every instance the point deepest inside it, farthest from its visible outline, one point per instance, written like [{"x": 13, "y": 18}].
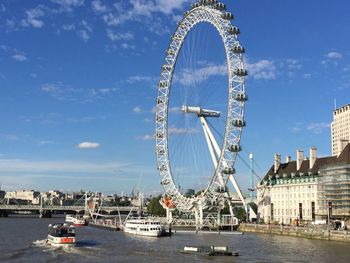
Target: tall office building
[{"x": 340, "y": 129}]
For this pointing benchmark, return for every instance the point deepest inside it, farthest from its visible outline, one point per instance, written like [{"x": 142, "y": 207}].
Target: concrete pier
[{"x": 311, "y": 232}]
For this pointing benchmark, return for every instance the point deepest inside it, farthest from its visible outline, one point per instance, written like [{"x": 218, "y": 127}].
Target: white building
[
  {"x": 288, "y": 192},
  {"x": 306, "y": 190},
  {"x": 29, "y": 196},
  {"x": 340, "y": 129}
]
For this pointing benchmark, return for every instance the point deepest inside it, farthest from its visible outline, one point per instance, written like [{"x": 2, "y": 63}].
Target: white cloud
[
  {"x": 318, "y": 127},
  {"x": 189, "y": 77},
  {"x": 334, "y": 55},
  {"x": 50, "y": 87},
  {"x": 98, "y": 7},
  {"x": 86, "y": 31},
  {"x": 88, "y": 145},
  {"x": 181, "y": 131},
  {"x": 146, "y": 137},
  {"x": 137, "y": 109},
  {"x": 68, "y": 27},
  {"x": 262, "y": 69},
  {"x": 119, "y": 36},
  {"x": 139, "y": 78},
  {"x": 84, "y": 35},
  {"x": 19, "y": 57},
  {"x": 33, "y": 16},
  {"x": 68, "y": 5}
]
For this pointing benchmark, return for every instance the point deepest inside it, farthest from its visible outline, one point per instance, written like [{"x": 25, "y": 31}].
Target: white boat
[
  {"x": 76, "y": 221},
  {"x": 61, "y": 235},
  {"x": 144, "y": 227}
]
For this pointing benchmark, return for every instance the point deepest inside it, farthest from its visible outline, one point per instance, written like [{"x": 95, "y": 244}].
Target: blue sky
[{"x": 78, "y": 85}]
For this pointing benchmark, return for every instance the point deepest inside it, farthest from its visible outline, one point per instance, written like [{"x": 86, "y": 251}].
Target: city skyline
[{"x": 78, "y": 86}]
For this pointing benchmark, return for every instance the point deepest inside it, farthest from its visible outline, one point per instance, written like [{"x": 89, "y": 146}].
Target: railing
[{"x": 62, "y": 208}]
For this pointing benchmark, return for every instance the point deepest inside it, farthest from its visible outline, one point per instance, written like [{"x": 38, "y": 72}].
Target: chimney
[
  {"x": 300, "y": 158},
  {"x": 341, "y": 145},
  {"x": 277, "y": 162},
  {"x": 288, "y": 159},
  {"x": 313, "y": 156}
]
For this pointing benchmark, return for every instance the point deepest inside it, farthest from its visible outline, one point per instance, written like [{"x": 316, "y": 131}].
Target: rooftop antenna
[{"x": 335, "y": 104}]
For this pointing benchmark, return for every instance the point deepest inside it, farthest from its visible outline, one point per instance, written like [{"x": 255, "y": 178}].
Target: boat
[
  {"x": 75, "y": 220},
  {"x": 210, "y": 251},
  {"x": 144, "y": 227},
  {"x": 61, "y": 235}
]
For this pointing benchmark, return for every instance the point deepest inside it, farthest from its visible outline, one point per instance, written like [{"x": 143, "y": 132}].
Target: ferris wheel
[{"x": 223, "y": 156}]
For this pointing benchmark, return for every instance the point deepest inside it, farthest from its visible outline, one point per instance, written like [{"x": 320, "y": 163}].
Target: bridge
[{"x": 47, "y": 210}]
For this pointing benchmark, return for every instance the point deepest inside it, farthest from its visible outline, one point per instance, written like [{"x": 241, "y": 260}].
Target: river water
[{"x": 22, "y": 239}]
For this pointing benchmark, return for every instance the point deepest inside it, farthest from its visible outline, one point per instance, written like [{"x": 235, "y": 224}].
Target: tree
[
  {"x": 240, "y": 213},
  {"x": 155, "y": 208}
]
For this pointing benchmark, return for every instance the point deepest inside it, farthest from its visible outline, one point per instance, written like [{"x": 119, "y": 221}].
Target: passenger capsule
[
  {"x": 239, "y": 123},
  {"x": 166, "y": 68},
  {"x": 162, "y": 168},
  {"x": 160, "y": 118},
  {"x": 221, "y": 189},
  {"x": 228, "y": 170},
  {"x": 160, "y": 135},
  {"x": 195, "y": 5},
  {"x": 241, "y": 96},
  {"x": 170, "y": 52},
  {"x": 160, "y": 101},
  {"x": 238, "y": 50},
  {"x": 241, "y": 72},
  {"x": 234, "y": 30},
  {"x": 235, "y": 148},
  {"x": 163, "y": 84},
  {"x": 220, "y": 6},
  {"x": 227, "y": 16}
]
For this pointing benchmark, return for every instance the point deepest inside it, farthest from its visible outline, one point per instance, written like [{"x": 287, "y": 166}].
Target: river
[{"x": 22, "y": 239}]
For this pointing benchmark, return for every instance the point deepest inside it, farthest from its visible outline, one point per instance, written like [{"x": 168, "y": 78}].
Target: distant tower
[
  {"x": 251, "y": 177},
  {"x": 340, "y": 129}
]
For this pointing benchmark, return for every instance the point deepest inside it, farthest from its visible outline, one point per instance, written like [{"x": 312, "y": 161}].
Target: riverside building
[
  {"x": 340, "y": 129},
  {"x": 307, "y": 190}
]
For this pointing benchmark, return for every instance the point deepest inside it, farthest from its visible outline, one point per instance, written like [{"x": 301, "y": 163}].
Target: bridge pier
[
  {"x": 4, "y": 213},
  {"x": 45, "y": 214}
]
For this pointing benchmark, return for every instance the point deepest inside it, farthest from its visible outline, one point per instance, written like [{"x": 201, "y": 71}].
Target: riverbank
[{"x": 312, "y": 232}]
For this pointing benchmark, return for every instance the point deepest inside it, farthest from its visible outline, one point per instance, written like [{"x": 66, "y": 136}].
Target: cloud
[
  {"x": 334, "y": 55},
  {"x": 119, "y": 36},
  {"x": 137, "y": 110},
  {"x": 181, "y": 131},
  {"x": 33, "y": 16},
  {"x": 41, "y": 143},
  {"x": 146, "y": 137},
  {"x": 262, "y": 69},
  {"x": 19, "y": 57},
  {"x": 98, "y": 7},
  {"x": 85, "y": 32},
  {"x": 68, "y": 5},
  {"x": 88, "y": 145},
  {"x": 68, "y": 27},
  {"x": 318, "y": 128},
  {"x": 140, "y": 78},
  {"x": 188, "y": 77}
]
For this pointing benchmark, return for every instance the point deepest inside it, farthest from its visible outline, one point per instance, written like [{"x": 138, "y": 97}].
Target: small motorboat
[
  {"x": 210, "y": 251},
  {"x": 76, "y": 221},
  {"x": 61, "y": 235}
]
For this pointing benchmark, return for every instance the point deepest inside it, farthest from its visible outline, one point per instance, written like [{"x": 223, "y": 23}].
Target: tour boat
[
  {"x": 76, "y": 221},
  {"x": 144, "y": 227},
  {"x": 61, "y": 235}
]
